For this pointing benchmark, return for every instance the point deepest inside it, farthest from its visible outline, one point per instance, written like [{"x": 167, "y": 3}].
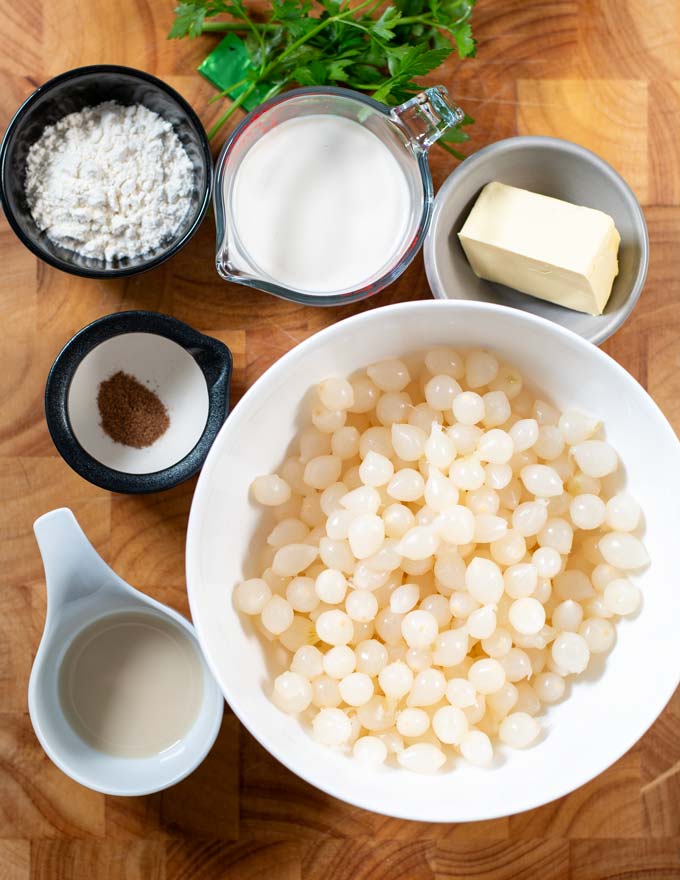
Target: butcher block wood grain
[{"x": 605, "y": 73}]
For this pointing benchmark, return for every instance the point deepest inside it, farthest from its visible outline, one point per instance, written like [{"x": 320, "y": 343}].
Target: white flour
[{"x": 109, "y": 181}]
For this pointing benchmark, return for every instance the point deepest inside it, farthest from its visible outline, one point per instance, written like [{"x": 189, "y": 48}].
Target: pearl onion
[
  {"x": 622, "y": 513},
  {"x": 424, "y": 417},
  {"x": 393, "y": 407},
  {"x": 489, "y": 527},
  {"x": 308, "y": 661},
  {"x": 418, "y": 659},
  {"x": 293, "y": 558},
  {"x": 484, "y": 580},
  {"x": 345, "y": 442},
  {"x": 326, "y": 692},
  {"x": 595, "y": 458},
  {"x": 550, "y": 443},
  {"x": 377, "y": 714},
  {"x": 389, "y": 375},
  {"x": 406, "y": 485},
  {"x": 388, "y": 626},
  {"x": 621, "y": 597},
  {"x": 549, "y": 687},
  {"x": 270, "y": 490},
  {"x": 332, "y": 727},
  {"x": 336, "y": 394},
  {"x": 487, "y": 676},
  {"x": 366, "y": 395},
  {"x": 277, "y": 615},
  {"x": 572, "y": 584},
  {"x": 524, "y": 434},
  {"x": 465, "y": 437},
  {"x": 336, "y": 555},
  {"x": 598, "y": 633},
  {"x": 450, "y": 648},
  {"x": 356, "y": 689},
  {"x": 328, "y": 420},
  {"x": 419, "y": 629},
  {"x": 440, "y": 391},
  {"x": 445, "y": 361},
  {"x": 570, "y": 651},
  {"x": 404, "y": 598},
  {"x": 440, "y": 493},
  {"x": 530, "y": 517},
  {"x": 301, "y": 593},
  {"x": 467, "y": 473},
  {"x": 398, "y": 520},
  {"x": 330, "y": 586},
  {"x": 412, "y": 722},
  {"x": 449, "y": 724},
  {"x": 527, "y": 615},
  {"x": 408, "y": 441},
  {"x": 541, "y": 480},
  {"x": 375, "y": 469},
  {"x": 460, "y": 692},
  {"x": 439, "y": 448},
  {"x": 363, "y": 500},
  {"x": 428, "y": 688},
  {"x": 334, "y": 627},
  {"x": 498, "y": 644},
  {"x": 376, "y": 439},
  {"x": 587, "y": 511},
  {"x": 556, "y": 533},
  {"x": 449, "y": 571},
  {"x": 495, "y": 446},
  {"x": 516, "y": 664},
  {"x": 498, "y": 476},
  {"x": 481, "y": 368},
  {"x": 252, "y": 595},
  {"x": 520, "y": 580},
  {"x": 422, "y": 758},
  {"x": 456, "y": 525},
  {"x": 420, "y": 542},
  {"x": 462, "y": 604},
  {"x": 371, "y": 656},
  {"x": 503, "y": 700},
  {"x": 365, "y": 535},
  {"x": 509, "y": 549},
  {"x": 576, "y": 427},
  {"x": 339, "y": 661},
  {"x": 292, "y": 692},
  {"x": 468, "y": 408},
  {"x": 396, "y": 680},
  {"x": 496, "y": 409},
  {"x": 370, "y": 750},
  {"x": 476, "y": 748},
  {"x": 567, "y": 616},
  {"x": 623, "y": 550},
  {"x": 338, "y": 523},
  {"x": 518, "y": 730},
  {"x": 476, "y": 712},
  {"x": 482, "y": 623},
  {"x": 547, "y": 561}
]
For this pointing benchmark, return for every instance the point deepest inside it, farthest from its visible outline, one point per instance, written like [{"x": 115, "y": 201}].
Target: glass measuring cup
[{"x": 408, "y": 131}]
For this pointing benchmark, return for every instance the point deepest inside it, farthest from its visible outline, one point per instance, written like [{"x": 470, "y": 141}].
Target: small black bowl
[
  {"x": 71, "y": 92},
  {"x": 212, "y": 356}
]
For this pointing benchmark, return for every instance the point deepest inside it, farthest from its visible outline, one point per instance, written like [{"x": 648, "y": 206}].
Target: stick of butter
[{"x": 563, "y": 253}]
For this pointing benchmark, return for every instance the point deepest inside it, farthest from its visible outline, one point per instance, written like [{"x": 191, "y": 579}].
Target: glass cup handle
[{"x": 426, "y": 116}]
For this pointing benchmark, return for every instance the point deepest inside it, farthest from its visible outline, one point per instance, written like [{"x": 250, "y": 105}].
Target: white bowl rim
[
  {"x": 601, "y": 333},
  {"x": 658, "y": 698}
]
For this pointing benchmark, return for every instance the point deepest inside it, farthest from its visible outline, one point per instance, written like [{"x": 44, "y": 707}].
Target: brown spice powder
[{"x": 130, "y": 412}]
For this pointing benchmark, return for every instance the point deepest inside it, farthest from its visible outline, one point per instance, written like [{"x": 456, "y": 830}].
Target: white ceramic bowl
[{"x": 609, "y": 708}]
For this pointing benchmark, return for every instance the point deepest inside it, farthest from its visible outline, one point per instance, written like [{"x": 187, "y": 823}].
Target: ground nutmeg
[{"x": 130, "y": 412}]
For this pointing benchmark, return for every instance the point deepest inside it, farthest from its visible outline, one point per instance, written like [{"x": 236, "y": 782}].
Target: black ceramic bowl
[
  {"x": 68, "y": 93},
  {"x": 212, "y": 357}
]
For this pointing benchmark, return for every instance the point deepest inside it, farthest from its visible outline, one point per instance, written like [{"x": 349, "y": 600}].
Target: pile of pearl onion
[{"x": 443, "y": 558}]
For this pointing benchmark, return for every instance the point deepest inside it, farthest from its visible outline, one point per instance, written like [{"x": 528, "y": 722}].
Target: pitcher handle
[
  {"x": 73, "y": 568},
  {"x": 426, "y": 116}
]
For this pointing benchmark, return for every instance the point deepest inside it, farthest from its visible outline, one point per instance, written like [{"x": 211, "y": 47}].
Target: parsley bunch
[{"x": 341, "y": 45}]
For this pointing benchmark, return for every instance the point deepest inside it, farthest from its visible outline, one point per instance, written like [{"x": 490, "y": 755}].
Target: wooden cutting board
[{"x": 604, "y": 73}]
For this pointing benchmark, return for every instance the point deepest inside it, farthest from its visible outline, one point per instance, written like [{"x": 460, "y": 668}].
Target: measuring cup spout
[
  {"x": 427, "y": 116},
  {"x": 73, "y": 568}
]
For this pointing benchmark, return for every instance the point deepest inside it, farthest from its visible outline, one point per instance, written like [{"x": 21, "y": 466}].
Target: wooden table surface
[{"x": 604, "y": 73}]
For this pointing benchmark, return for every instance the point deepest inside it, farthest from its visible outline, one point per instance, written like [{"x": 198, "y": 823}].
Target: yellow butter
[{"x": 556, "y": 251}]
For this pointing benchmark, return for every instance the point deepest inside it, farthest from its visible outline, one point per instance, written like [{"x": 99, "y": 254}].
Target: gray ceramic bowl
[{"x": 555, "y": 168}]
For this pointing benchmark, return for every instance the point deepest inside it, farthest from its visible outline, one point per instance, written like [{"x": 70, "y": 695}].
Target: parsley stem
[{"x": 236, "y": 103}]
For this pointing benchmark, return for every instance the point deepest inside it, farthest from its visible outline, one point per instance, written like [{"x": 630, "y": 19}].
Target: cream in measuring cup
[{"x": 324, "y": 195}]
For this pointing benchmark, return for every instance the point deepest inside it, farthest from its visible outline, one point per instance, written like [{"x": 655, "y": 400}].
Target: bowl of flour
[{"x": 105, "y": 171}]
